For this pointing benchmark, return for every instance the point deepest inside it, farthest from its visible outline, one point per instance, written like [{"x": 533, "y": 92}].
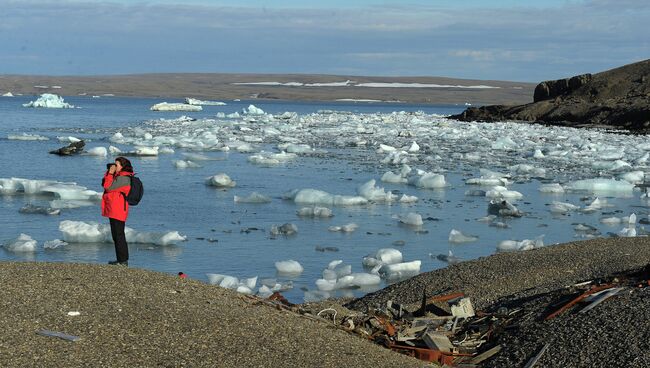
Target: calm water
[{"x": 179, "y": 199}]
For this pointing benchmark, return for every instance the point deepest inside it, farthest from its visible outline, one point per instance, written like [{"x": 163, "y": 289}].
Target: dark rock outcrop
[
  {"x": 71, "y": 149},
  {"x": 617, "y": 98}
]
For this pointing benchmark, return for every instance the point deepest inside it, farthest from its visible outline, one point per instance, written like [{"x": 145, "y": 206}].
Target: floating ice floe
[
  {"x": 271, "y": 159},
  {"x": 50, "y": 101},
  {"x": 348, "y": 228},
  {"x": 65, "y": 191},
  {"x": 315, "y": 211},
  {"x": 187, "y": 164},
  {"x": 8, "y": 94},
  {"x": 315, "y": 197},
  {"x": 526, "y": 244},
  {"x": 68, "y": 139},
  {"x": 284, "y": 229},
  {"x": 164, "y": 106},
  {"x": 23, "y": 243},
  {"x": 27, "y": 137},
  {"x": 253, "y": 198},
  {"x": 375, "y": 194},
  {"x": 601, "y": 185},
  {"x": 500, "y": 192},
  {"x": 92, "y": 232},
  {"x": 411, "y": 219},
  {"x": 194, "y": 101},
  {"x": 562, "y": 208},
  {"x": 503, "y": 208},
  {"x": 289, "y": 267},
  {"x": 455, "y": 236},
  {"x": 253, "y": 110},
  {"x": 98, "y": 151},
  {"x": 553, "y": 188},
  {"x": 381, "y": 257},
  {"x": 221, "y": 180},
  {"x": 53, "y": 244}
]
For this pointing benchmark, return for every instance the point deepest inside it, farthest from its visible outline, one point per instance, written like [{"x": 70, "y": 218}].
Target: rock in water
[{"x": 71, "y": 149}]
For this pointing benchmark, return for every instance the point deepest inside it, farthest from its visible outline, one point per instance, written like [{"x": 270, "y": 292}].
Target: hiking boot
[{"x": 119, "y": 263}]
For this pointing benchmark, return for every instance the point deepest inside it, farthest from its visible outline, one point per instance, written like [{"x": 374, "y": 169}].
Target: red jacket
[{"x": 116, "y": 187}]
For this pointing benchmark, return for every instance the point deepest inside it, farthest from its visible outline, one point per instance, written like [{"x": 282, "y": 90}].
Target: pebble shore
[{"x": 139, "y": 318}]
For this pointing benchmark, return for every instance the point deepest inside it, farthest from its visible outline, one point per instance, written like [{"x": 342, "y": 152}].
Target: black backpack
[{"x": 136, "y": 192}]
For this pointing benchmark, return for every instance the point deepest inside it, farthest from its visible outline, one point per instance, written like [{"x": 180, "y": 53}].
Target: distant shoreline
[{"x": 282, "y": 87}]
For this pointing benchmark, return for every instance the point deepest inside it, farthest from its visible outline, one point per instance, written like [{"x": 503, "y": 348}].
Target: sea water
[{"x": 226, "y": 237}]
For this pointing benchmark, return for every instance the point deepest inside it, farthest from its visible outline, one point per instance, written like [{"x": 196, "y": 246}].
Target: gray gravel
[
  {"x": 529, "y": 272},
  {"x": 138, "y": 318}
]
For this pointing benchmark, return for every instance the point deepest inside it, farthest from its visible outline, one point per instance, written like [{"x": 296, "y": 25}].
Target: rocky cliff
[{"x": 617, "y": 98}]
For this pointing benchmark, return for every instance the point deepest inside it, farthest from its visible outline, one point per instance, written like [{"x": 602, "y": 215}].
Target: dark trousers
[{"x": 121, "y": 248}]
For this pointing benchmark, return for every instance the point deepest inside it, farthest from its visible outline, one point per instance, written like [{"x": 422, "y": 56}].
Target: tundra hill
[{"x": 617, "y": 98}]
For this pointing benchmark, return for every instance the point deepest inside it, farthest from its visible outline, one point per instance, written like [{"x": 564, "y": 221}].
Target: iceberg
[
  {"x": 381, "y": 257},
  {"x": 164, "y": 106},
  {"x": 351, "y": 227},
  {"x": 429, "y": 181},
  {"x": 376, "y": 194},
  {"x": 49, "y": 101},
  {"x": 399, "y": 271},
  {"x": 315, "y": 197},
  {"x": 92, "y": 232},
  {"x": 98, "y": 151},
  {"x": 514, "y": 245},
  {"x": 253, "y": 110},
  {"x": 187, "y": 164}
]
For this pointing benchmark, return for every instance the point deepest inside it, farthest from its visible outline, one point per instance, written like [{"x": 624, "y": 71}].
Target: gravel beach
[{"x": 138, "y": 318}]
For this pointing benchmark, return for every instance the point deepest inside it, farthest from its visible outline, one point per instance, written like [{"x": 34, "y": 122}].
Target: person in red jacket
[{"x": 117, "y": 184}]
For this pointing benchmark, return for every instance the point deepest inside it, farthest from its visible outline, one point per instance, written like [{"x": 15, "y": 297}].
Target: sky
[{"x": 515, "y": 40}]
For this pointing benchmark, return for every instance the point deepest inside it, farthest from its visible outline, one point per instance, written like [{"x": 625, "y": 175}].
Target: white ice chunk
[
  {"x": 221, "y": 180},
  {"x": 373, "y": 193},
  {"x": 315, "y": 211},
  {"x": 399, "y": 271},
  {"x": 187, "y": 164},
  {"x": 27, "y": 137},
  {"x": 411, "y": 219},
  {"x": 526, "y": 244},
  {"x": 315, "y": 196},
  {"x": 253, "y": 110},
  {"x": 599, "y": 185},
  {"x": 92, "y": 232},
  {"x": 503, "y": 192},
  {"x": 164, "y": 106},
  {"x": 382, "y": 256},
  {"x": 408, "y": 199},
  {"x": 553, "y": 188},
  {"x": 23, "y": 243},
  {"x": 429, "y": 181},
  {"x": 290, "y": 267},
  {"x": 253, "y": 198},
  {"x": 194, "y": 101},
  {"x": 98, "y": 151},
  {"x": 390, "y": 177},
  {"x": 53, "y": 244},
  {"x": 455, "y": 236},
  {"x": 348, "y": 228},
  {"x": 562, "y": 207}
]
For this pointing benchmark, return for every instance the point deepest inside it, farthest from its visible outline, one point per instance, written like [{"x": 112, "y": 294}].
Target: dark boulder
[
  {"x": 71, "y": 149},
  {"x": 551, "y": 89}
]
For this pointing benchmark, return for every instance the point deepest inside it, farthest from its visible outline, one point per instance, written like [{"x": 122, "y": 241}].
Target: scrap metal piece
[
  {"x": 575, "y": 301},
  {"x": 60, "y": 335},
  {"x": 531, "y": 363},
  {"x": 486, "y": 355},
  {"x": 602, "y": 296},
  {"x": 437, "y": 341}
]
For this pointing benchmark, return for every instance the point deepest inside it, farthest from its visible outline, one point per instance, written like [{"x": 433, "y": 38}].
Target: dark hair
[{"x": 126, "y": 164}]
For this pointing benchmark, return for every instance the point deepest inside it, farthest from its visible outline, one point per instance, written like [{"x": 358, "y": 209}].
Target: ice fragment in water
[
  {"x": 53, "y": 244},
  {"x": 164, "y": 106},
  {"x": 455, "y": 236},
  {"x": 92, "y": 232},
  {"x": 50, "y": 101},
  {"x": 221, "y": 180},
  {"x": 23, "y": 243},
  {"x": 98, "y": 151},
  {"x": 315, "y": 212},
  {"x": 286, "y": 229},
  {"x": 411, "y": 219},
  {"x": 253, "y": 198},
  {"x": 289, "y": 267}
]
